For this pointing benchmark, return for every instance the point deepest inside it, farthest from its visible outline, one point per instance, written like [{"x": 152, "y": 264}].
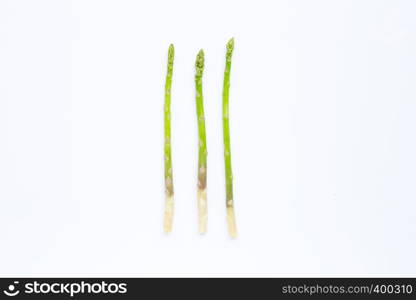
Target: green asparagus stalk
[
  {"x": 232, "y": 228},
  {"x": 169, "y": 204},
  {"x": 202, "y": 145}
]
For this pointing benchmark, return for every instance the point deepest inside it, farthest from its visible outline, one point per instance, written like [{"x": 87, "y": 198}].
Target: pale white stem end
[
  {"x": 232, "y": 227},
  {"x": 168, "y": 219},
  {"x": 202, "y": 210}
]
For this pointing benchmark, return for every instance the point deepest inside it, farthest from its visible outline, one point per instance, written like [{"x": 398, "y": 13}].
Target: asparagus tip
[
  {"x": 232, "y": 227},
  {"x": 230, "y": 44},
  {"x": 171, "y": 53},
  {"x": 199, "y": 63},
  {"x": 201, "y": 53}
]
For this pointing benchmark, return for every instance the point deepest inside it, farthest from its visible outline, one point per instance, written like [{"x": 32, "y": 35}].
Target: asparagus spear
[
  {"x": 202, "y": 145},
  {"x": 169, "y": 204},
  {"x": 232, "y": 228}
]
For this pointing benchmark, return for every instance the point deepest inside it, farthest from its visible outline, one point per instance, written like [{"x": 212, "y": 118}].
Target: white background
[{"x": 322, "y": 126}]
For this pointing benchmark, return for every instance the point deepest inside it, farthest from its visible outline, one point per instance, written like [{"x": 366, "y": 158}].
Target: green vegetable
[
  {"x": 169, "y": 203},
  {"x": 232, "y": 228},
  {"x": 202, "y": 144}
]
